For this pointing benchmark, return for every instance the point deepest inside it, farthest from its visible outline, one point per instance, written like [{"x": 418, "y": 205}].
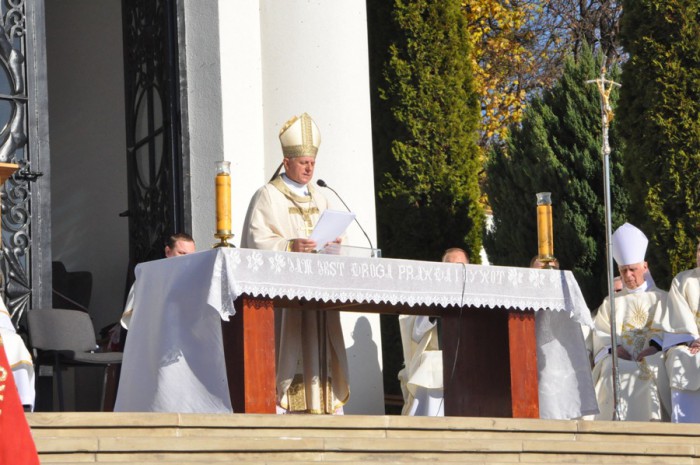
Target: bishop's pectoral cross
[
  {"x": 308, "y": 223},
  {"x": 305, "y": 214}
]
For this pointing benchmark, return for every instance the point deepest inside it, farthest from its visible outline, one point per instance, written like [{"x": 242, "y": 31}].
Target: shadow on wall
[{"x": 363, "y": 351}]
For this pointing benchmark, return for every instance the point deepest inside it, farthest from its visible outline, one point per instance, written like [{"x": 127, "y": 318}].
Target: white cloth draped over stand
[{"x": 174, "y": 361}]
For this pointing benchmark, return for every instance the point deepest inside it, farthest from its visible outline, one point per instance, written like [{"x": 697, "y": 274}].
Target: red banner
[{"x": 16, "y": 442}]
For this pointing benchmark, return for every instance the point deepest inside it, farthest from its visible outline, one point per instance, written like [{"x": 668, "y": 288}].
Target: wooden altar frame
[{"x": 476, "y": 342}]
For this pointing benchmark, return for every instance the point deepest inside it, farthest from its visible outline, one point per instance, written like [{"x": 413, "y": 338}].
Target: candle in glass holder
[
  {"x": 545, "y": 231},
  {"x": 223, "y": 197}
]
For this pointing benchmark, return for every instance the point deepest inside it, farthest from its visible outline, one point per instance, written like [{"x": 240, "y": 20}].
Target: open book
[{"x": 331, "y": 225}]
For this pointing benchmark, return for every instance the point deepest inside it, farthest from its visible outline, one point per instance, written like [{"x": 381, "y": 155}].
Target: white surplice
[{"x": 421, "y": 378}]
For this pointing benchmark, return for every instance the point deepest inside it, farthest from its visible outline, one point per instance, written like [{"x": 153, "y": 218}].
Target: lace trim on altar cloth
[{"x": 345, "y": 279}]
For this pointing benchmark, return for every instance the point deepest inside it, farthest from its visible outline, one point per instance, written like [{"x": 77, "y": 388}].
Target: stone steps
[{"x": 116, "y": 438}]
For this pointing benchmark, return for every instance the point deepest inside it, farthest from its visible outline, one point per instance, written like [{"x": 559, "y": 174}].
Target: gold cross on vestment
[
  {"x": 308, "y": 223},
  {"x": 305, "y": 214}
]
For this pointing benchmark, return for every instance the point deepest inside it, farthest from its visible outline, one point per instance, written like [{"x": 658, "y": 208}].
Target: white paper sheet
[{"x": 331, "y": 225}]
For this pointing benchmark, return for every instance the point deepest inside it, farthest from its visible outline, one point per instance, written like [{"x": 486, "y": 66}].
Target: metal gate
[
  {"x": 154, "y": 155},
  {"x": 26, "y": 231}
]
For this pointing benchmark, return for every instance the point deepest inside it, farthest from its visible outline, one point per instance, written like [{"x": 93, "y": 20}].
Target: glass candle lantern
[
  {"x": 545, "y": 232},
  {"x": 222, "y": 182}
]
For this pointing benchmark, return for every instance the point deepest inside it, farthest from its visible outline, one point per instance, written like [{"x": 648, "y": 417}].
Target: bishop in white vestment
[
  {"x": 644, "y": 390},
  {"x": 682, "y": 341},
  {"x": 312, "y": 368}
]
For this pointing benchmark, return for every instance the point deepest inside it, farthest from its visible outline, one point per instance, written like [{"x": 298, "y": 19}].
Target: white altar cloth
[{"x": 174, "y": 360}]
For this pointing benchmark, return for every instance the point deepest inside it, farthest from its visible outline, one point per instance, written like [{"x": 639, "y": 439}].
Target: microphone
[{"x": 322, "y": 183}]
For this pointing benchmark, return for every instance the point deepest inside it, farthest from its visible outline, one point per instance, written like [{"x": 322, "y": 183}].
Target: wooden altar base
[
  {"x": 246, "y": 439},
  {"x": 489, "y": 356}
]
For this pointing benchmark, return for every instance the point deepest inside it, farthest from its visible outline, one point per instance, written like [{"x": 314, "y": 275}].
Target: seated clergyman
[
  {"x": 644, "y": 389},
  {"x": 682, "y": 339},
  {"x": 421, "y": 378}
]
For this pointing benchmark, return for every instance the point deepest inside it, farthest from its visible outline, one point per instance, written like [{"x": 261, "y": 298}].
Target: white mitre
[
  {"x": 629, "y": 245},
  {"x": 300, "y": 137}
]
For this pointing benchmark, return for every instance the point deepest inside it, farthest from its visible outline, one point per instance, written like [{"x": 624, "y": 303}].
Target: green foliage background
[
  {"x": 427, "y": 177},
  {"x": 425, "y": 120},
  {"x": 425, "y": 114},
  {"x": 659, "y": 119},
  {"x": 557, "y": 149}
]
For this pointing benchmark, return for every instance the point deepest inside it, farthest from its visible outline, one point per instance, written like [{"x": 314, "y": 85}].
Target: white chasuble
[
  {"x": 644, "y": 390},
  {"x": 277, "y": 215},
  {"x": 680, "y": 323}
]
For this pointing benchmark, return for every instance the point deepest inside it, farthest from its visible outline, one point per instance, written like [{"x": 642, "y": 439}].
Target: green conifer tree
[
  {"x": 427, "y": 182},
  {"x": 425, "y": 113},
  {"x": 659, "y": 118},
  {"x": 557, "y": 149}
]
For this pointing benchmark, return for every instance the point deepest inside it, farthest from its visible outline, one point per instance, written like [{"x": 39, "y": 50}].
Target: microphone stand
[{"x": 322, "y": 183}]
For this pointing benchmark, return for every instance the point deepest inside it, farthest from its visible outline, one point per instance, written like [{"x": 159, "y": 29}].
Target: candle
[
  {"x": 545, "y": 232},
  {"x": 223, "y": 197}
]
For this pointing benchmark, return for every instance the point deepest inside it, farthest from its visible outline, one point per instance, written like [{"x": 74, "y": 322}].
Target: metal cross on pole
[{"x": 605, "y": 87}]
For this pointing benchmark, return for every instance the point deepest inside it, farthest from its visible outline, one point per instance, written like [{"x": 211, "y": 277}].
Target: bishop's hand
[
  {"x": 694, "y": 346},
  {"x": 646, "y": 352},
  {"x": 623, "y": 354},
  {"x": 301, "y": 244}
]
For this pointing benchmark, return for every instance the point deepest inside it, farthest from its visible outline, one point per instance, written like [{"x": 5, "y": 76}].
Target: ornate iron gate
[
  {"x": 154, "y": 156},
  {"x": 153, "y": 142},
  {"x": 26, "y": 254}
]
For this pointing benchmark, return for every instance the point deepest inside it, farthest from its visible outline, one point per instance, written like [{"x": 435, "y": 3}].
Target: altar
[{"x": 175, "y": 358}]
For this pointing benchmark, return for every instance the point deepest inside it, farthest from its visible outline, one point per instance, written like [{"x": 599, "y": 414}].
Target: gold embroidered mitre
[{"x": 300, "y": 137}]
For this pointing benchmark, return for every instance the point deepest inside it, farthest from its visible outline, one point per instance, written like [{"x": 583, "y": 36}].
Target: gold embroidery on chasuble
[
  {"x": 636, "y": 332},
  {"x": 306, "y": 217},
  {"x": 327, "y": 398},
  {"x": 303, "y": 205},
  {"x": 636, "y": 327},
  {"x": 296, "y": 396}
]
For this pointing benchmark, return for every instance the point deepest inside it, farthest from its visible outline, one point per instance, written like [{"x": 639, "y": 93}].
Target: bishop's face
[
  {"x": 299, "y": 169},
  {"x": 633, "y": 275}
]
